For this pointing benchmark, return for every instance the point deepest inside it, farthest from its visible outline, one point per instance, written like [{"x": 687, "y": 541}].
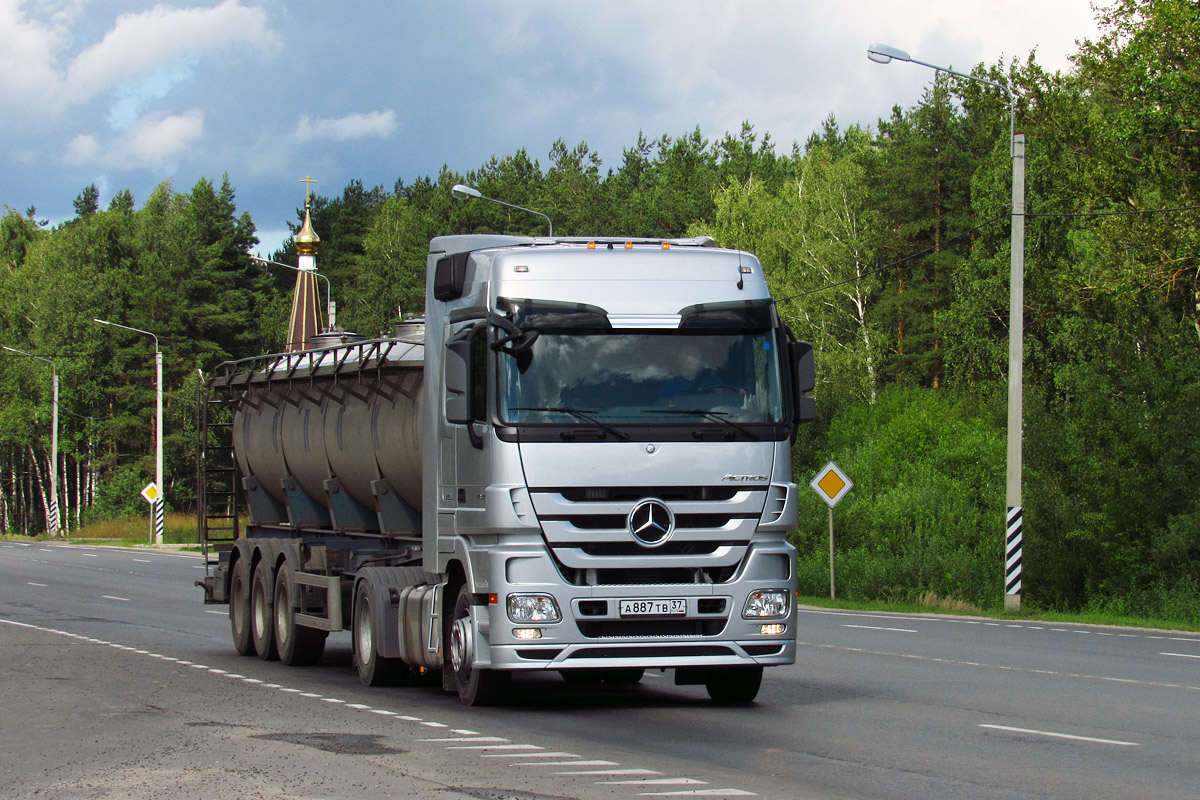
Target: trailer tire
[
  {"x": 239, "y": 608},
  {"x": 734, "y": 685},
  {"x": 476, "y": 687},
  {"x": 262, "y": 625},
  {"x": 373, "y": 669},
  {"x": 299, "y": 645}
]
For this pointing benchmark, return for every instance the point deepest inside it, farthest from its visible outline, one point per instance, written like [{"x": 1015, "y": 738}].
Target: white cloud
[
  {"x": 153, "y": 141},
  {"x": 140, "y": 43},
  {"x": 380, "y": 124},
  {"x": 40, "y": 74}
]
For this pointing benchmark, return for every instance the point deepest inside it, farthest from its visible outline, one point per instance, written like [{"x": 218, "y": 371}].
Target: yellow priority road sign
[
  {"x": 150, "y": 492},
  {"x": 831, "y": 484}
]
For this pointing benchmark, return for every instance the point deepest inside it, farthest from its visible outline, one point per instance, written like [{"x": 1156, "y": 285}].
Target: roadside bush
[{"x": 926, "y": 515}]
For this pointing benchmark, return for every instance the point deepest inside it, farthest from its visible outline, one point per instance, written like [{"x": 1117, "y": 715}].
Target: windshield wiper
[
  {"x": 716, "y": 416},
  {"x": 579, "y": 413}
]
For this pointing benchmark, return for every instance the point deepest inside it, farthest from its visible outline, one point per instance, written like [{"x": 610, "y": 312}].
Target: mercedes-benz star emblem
[{"x": 651, "y": 522}]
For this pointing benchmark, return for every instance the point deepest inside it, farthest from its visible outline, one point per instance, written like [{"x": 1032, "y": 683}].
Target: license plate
[{"x": 656, "y": 607}]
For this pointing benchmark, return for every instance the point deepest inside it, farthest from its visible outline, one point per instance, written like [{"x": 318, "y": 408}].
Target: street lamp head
[
  {"x": 463, "y": 192},
  {"x": 884, "y": 53}
]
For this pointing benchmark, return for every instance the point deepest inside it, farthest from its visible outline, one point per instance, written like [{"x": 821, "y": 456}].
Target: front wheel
[
  {"x": 476, "y": 687},
  {"x": 734, "y": 684}
]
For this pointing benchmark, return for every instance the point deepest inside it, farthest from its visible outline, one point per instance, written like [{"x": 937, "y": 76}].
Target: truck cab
[{"x": 607, "y": 461}]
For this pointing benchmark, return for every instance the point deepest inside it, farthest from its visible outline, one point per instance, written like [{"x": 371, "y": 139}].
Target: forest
[{"x": 887, "y": 247}]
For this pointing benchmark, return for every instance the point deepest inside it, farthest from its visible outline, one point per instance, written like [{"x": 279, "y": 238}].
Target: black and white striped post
[{"x": 1012, "y": 559}]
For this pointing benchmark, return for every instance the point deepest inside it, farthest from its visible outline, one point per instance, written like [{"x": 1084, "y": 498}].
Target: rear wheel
[
  {"x": 734, "y": 684},
  {"x": 262, "y": 626},
  {"x": 299, "y": 646},
  {"x": 476, "y": 687},
  {"x": 373, "y": 669},
  {"x": 239, "y": 608}
]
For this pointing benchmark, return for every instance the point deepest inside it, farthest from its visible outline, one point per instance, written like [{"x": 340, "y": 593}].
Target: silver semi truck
[{"x": 579, "y": 461}]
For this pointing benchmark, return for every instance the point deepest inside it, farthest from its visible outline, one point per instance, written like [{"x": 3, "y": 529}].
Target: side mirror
[{"x": 803, "y": 380}]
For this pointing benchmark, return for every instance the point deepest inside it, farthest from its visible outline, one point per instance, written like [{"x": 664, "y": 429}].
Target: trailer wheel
[
  {"x": 476, "y": 687},
  {"x": 239, "y": 608},
  {"x": 299, "y": 645},
  {"x": 373, "y": 669},
  {"x": 734, "y": 684},
  {"x": 261, "y": 624}
]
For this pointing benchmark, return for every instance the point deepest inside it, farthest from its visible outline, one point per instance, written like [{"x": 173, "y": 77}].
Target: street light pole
[
  {"x": 52, "y": 511},
  {"x": 1013, "y": 528},
  {"x": 330, "y": 306},
  {"x": 157, "y": 505},
  {"x": 464, "y": 192}
]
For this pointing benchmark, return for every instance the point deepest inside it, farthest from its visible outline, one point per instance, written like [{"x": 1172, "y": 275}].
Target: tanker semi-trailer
[{"x": 579, "y": 461}]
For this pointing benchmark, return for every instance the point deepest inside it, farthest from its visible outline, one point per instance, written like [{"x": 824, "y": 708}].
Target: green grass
[{"x": 178, "y": 529}]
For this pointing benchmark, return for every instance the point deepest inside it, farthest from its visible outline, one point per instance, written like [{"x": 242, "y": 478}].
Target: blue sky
[{"x": 126, "y": 95}]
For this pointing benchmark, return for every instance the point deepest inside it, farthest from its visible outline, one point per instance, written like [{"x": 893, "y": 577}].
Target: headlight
[
  {"x": 766, "y": 603},
  {"x": 524, "y": 608}
]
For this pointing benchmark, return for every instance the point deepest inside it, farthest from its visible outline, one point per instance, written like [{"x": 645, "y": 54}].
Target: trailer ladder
[{"x": 217, "y": 485}]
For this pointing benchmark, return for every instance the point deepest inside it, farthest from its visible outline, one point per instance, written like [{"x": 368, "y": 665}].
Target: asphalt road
[{"x": 117, "y": 682}]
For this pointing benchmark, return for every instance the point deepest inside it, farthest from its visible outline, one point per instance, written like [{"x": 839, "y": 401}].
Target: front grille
[
  {"x": 655, "y": 651},
  {"x": 624, "y": 629},
  {"x": 587, "y": 530},
  {"x": 592, "y": 494}
]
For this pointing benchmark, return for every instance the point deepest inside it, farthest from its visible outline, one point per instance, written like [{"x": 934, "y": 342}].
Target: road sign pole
[{"x": 832, "y": 584}]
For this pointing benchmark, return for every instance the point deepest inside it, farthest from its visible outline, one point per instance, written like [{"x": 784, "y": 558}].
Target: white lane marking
[
  {"x": 542, "y": 754},
  {"x": 657, "y": 782},
  {"x": 496, "y": 747},
  {"x": 593, "y": 763},
  {"x": 1180, "y": 655},
  {"x": 1055, "y": 735},
  {"x": 45, "y": 550},
  {"x": 31, "y": 583},
  {"x": 1002, "y": 667},
  {"x": 89, "y": 555},
  {"x": 218, "y": 613},
  {"x": 468, "y": 739},
  {"x": 879, "y": 628},
  {"x": 111, "y": 597},
  {"x": 700, "y": 793},
  {"x": 142, "y": 560},
  {"x": 611, "y": 772}
]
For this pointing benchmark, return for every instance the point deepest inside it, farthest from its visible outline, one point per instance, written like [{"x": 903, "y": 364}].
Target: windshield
[{"x": 643, "y": 378}]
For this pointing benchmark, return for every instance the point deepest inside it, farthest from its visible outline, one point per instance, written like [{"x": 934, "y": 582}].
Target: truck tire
[
  {"x": 299, "y": 645},
  {"x": 373, "y": 669},
  {"x": 239, "y": 608},
  {"x": 262, "y": 625},
  {"x": 734, "y": 685},
  {"x": 476, "y": 687}
]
